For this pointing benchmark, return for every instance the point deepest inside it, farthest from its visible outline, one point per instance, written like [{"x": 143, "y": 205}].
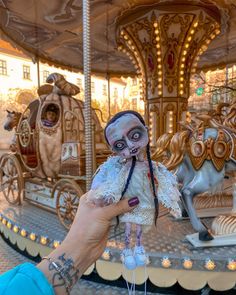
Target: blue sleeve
[{"x": 25, "y": 279}]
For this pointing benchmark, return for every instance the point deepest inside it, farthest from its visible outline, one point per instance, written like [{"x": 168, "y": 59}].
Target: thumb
[{"x": 121, "y": 207}]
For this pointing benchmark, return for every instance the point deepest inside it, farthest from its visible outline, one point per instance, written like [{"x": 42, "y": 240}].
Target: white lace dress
[{"x": 110, "y": 179}]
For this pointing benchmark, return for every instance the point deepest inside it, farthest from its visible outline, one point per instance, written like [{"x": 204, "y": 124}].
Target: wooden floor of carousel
[{"x": 34, "y": 231}]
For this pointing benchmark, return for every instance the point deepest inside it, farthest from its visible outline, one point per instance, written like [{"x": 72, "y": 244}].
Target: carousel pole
[{"x": 87, "y": 92}]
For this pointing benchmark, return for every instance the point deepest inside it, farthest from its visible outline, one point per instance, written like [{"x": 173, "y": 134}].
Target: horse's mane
[
  {"x": 177, "y": 149},
  {"x": 230, "y": 120},
  {"x": 161, "y": 145}
]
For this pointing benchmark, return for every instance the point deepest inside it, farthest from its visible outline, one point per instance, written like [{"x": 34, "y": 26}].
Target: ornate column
[{"x": 164, "y": 43}]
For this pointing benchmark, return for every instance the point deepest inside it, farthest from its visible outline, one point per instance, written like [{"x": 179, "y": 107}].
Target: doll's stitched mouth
[{"x": 134, "y": 151}]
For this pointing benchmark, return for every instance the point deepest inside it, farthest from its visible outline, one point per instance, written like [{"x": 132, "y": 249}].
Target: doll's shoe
[
  {"x": 140, "y": 256},
  {"x": 127, "y": 258}
]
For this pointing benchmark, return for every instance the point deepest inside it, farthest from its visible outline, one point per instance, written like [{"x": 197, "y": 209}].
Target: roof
[{"x": 52, "y": 31}]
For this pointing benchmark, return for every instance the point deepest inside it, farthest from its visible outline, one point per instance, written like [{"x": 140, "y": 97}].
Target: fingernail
[{"x": 133, "y": 202}]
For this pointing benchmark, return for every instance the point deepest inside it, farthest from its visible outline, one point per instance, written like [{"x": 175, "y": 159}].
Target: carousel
[{"x": 59, "y": 143}]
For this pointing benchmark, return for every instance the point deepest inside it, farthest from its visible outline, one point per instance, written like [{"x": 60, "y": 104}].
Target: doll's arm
[
  {"x": 167, "y": 193},
  {"x": 106, "y": 185}
]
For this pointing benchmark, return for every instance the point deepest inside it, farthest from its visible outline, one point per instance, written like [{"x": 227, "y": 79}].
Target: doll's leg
[
  {"x": 138, "y": 235},
  {"x": 139, "y": 251},
  {"x": 127, "y": 254},
  {"x": 127, "y": 235}
]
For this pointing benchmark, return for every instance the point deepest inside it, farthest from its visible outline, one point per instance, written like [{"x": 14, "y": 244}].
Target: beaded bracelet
[{"x": 60, "y": 270}]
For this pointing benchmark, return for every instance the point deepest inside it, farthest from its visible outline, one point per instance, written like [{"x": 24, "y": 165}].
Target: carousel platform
[{"x": 172, "y": 259}]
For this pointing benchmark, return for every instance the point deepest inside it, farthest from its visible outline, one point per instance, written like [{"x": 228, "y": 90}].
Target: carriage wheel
[
  {"x": 11, "y": 179},
  {"x": 67, "y": 193}
]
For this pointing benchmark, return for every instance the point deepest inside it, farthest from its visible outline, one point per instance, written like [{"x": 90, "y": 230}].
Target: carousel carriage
[{"x": 47, "y": 166}]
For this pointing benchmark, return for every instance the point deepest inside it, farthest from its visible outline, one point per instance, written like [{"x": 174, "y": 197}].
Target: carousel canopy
[{"x": 52, "y": 31}]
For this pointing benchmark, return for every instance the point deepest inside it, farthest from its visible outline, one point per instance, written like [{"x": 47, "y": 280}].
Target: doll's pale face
[{"x": 127, "y": 136}]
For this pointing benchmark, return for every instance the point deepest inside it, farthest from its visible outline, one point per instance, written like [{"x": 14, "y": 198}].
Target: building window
[
  {"x": 104, "y": 89},
  {"x": 92, "y": 87},
  {"x": 3, "y": 67},
  {"x": 134, "y": 103},
  {"x": 115, "y": 93},
  {"x": 79, "y": 83},
  {"x": 26, "y": 72},
  {"x": 45, "y": 76}
]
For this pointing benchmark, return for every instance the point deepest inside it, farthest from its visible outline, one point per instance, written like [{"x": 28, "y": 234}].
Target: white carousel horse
[
  {"x": 10, "y": 123},
  {"x": 201, "y": 163}
]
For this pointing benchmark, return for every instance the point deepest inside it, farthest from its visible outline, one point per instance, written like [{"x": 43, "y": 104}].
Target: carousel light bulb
[
  {"x": 189, "y": 38},
  {"x": 155, "y": 25},
  {"x": 160, "y": 93},
  {"x": 208, "y": 41},
  {"x": 231, "y": 264},
  {"x": 217, "y": 32},
  {"x": 186, "y": 45},
  {"x": 182, "y": 66},
  {"x": 210, "y": 264},
  {"x": 165, "y": 262},
  {"x": 56, "y": 244},
  {"x": 159, "y": 59},
  {"x": 160, "y": 73},
  {"x": 156, "y": 31},
  {"x": 43, "y": 240},
  {"x": 133, "y": 48},
  {"x": 159, "y": 79},
  {"x": 183, "y": 58},
  {"x": 181, "y": 79},
  {"x": 159, "y": 66},
  {"x": 212, "y": 36},
  {"x": 181, "y": 92},
  {"x": 181, "y": 85},
  {"x": 125, "y": 37},
  {"x": 187, "y": 263},
  {"x": 157, "y": 38},
  {"x": 158, "y": 52},
  {"x": 129, "y": 42},
  {"x": 122, "y": 32},
  {"x": 15, "y": 229},
  {"x": 195, "y": 24},
  {"x": 106, "y": 255},
  {"x": 171, "y": 112},
  {"x": 120, "y": 48},
  {"x": 32, "y": 236},
  {"x": 181, "y": 72},
  {"x": 4, "y": 221},
  {"x": 159, "y": 86},
  {"x": 23, "y": 232},
  {"x": 184, "y": 52},
  {"x": 9, "y": 225}
]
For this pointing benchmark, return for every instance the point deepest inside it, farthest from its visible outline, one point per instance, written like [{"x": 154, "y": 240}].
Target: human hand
[
  {"x": 89, "y": 231},
  {"x": 86, "y": 240}
]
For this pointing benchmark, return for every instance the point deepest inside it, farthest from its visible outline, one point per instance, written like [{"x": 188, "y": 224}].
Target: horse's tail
[
  {"x": 60, "y": 82},
  {"x": 177, "y": 149},
  {"x": 161, "y": 145}
]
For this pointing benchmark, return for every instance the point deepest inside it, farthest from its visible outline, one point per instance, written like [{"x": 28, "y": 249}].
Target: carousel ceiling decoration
[{"x": 52, "y": 31}]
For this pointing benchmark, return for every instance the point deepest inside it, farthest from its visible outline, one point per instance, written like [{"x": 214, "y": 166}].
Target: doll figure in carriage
[{"x": 131, "y": 173}]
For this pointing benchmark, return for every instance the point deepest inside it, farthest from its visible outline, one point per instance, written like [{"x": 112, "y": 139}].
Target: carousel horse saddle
[{"x": 218, "y": 150}]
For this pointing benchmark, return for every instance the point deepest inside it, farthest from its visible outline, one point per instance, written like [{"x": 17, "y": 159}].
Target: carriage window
[{"x": 50, "y": 115}]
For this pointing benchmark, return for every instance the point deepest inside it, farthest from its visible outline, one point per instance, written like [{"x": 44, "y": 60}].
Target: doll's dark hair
[{"x": 136, "y": 114}]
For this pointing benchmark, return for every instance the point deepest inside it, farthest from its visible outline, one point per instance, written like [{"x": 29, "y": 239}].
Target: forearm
[{"x": 74, "y": 262}]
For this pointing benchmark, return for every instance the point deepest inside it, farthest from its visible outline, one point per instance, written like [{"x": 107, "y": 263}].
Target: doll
[{"x": 131, "y": 173}]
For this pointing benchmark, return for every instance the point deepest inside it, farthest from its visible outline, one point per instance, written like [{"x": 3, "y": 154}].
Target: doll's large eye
[
  {"x": 136, "y": 136},
  {"x": 119, "y": 145}
]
